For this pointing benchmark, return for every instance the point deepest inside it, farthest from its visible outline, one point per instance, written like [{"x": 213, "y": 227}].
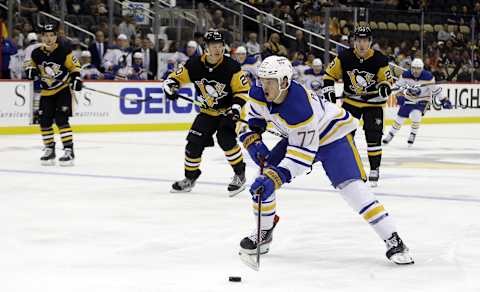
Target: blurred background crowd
[{"x": 113, "y": 40}]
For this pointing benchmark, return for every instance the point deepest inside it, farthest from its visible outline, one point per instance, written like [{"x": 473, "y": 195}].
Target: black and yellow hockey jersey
[
  {"x": 360, "y": 76},
  {"x": 218, "y": 86},
  {"x": 54, "y": 68}
]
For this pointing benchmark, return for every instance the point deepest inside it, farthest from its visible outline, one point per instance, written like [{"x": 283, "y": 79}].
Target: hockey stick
[
  {"x": 112, "y": 94},
  {"x": 246, "y": 258},
  {"x": 223, "y": 113}
]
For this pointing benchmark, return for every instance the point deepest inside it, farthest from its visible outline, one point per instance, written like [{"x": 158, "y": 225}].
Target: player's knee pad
[
  {"x": 415, "y": 116},
  {"x": 44, "y": 119},
  {"x": 194, "y": 149},
  {"x": 61, "y": 116},
  {"x": 357, "y": 194},
  {"x": 373, "y": 138},
  {"x": 226, "y": 140}
]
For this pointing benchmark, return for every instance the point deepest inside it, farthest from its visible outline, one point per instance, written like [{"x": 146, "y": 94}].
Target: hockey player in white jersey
[
  {"x": 315, "y": 131},
  {"x": 313, "y": 77},
  {"x": 420, "y": 90}
]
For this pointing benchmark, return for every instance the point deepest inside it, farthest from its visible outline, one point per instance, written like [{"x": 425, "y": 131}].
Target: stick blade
[{"x": 249, "y": 260}]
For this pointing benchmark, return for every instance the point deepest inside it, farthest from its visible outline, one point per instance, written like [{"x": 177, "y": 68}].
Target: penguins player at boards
[
  {"x": 316, "y": 131},
  {"x": 222, "y": 87},
  {"x": 59, "y": 73},
  {"x": 367, "y": 83},
  {"x": 414, "y": 99}
]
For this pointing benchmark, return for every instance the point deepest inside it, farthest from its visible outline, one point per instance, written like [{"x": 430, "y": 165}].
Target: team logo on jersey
[
  {"x": 212, "y": 91},
  {"x": 50, "y": 71},
  {"x": 360, "y": 80}
]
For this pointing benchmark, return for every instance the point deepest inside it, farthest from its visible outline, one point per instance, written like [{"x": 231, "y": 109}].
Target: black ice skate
[
  {"x": 411, "y": 139},
  {"x": 248, "y": 245},
  {"x": 397, "y": 252},
  {"x": 183, "y": 186},
  {"x": 373, "y": 177},
  {"x": 68, "y": 158},
  {"x": 48, "y": 157},
  {"x": 237, "y": 185},
  {"x": 387, "y": 138}
]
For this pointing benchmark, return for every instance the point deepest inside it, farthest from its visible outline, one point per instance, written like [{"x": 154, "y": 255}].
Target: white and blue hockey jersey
[
  {"x": 424, "y": 93},
  {"x": 313, "y": 81},
  {"x": 306, "y": 120}
]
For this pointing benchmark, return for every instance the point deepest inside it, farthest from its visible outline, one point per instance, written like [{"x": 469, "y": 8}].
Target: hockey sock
[
  {"x": 47, "y": 136},
  {"x": 235, "y": 158},
  {"x": 362, "y": 200},
  {"x": 416, "y": 117},
  {"x": 66, "y": 135},
  {"x": 267, "y": 212},
  {"x": 397, "y": 124}
]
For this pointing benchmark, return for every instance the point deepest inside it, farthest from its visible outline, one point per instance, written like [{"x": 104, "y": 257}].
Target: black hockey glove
[
  {"x": 31, "y": 73},
  {"x": 384, "y": 90},
  {"x": 329, "y": 93},
  {"x": 234, "y": 112},
  {"x": 76, "y": 82},
  {"x": 170, "y": 87}
]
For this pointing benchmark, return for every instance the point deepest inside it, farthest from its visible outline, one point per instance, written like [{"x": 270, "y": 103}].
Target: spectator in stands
[
  {"x": 8, "y": 49},
  {"x": 89, "y": 71},
  {"x": 62, "y": 38},
  {"x": 76, "y": 48},
  {"x": 253, "y": 47},
  {"x": 127, "y": 27},
  {"x": 42, "y": 5},
  {"x": 150, "y": 60},
  {"x": 300, "y": 43},
  {"x": 98, "y": 49},
  {"x": 137, "y": 42},
  {"x": 204, "y": 18},
  {"x": 440, "y": 73},
  {"x": 76, "y": 7},
  {"x": 274, "y": 47},
  {"x": 217, "y": 20}
]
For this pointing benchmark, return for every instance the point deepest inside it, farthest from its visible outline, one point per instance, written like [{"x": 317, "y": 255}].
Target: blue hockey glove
[
  {"x": 271, "y": 179},
  {"x": 257, "y": 125},
  {"x": 414, "y": 90},
  {"x": 400, "y": 100},
  {"x": 256, "y": 148},
  {"x": 446, "y": 104}
]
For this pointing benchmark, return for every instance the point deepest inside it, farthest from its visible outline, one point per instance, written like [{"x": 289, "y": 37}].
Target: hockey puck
[{"x": 234, "y": 279}]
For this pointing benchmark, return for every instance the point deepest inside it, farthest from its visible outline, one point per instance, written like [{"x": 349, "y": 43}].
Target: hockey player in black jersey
[
  {"x": 367, "y": 80},
  {"x": 59, "y": 72},
  {"x": 223, "y": 89}
]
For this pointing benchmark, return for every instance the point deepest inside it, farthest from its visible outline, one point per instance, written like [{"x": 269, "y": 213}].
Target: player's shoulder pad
[
  {"x": 380, "y": 57},
  {"x": 232, "y": 64},
  {"x": 256, "y": 95},
  {"x": 296, "y": 109},
  {"x": 193, "y": 62},
  {"x": 250, "y": 60},
  {"x": 426, "y": 75},
  {"x": 346, "y": 54}
]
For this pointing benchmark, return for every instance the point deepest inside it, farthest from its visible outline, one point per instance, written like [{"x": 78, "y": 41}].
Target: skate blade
[
  {"x": 66, "y": 163},
  {"x": 249, "y": 260},
  {"x": 373, "y": 184},
  {"x": 236, "y": 192},
  {"x": 50, "y": 162},
  {"x": 174, "y": 191},
  {"x": 264, "y": 248},
  {"x": 402, "y": 258}
]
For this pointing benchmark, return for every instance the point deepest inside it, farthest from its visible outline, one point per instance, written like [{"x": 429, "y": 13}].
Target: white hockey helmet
[
  {"x": 317, "y": 62},
  {"x": 276, "y": 67},
  {"x": 138, "y": 55},
  {"x": 417, "y": 63},
  {"x": 241, "y": 50},
  {"x": 86, "y": 54}
]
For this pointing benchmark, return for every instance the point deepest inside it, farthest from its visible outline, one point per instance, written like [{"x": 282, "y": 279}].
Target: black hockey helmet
[
  {"x": 362, "y": 32},
  {"x": 49, "y": 27},
  {"x": 213, "y": 36}
]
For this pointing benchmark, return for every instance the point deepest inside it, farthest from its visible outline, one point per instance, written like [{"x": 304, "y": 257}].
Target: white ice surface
[{"x": 109, "y": 224}]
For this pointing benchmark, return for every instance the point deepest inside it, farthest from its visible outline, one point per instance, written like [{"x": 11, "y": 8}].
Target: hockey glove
[
  {"x": 414, "y": 90},
  {"x": 76, "y": 82},
  {"x": 171, "y": 87},
  {"x": 256, "y": 148},
  {"x": 329, "y": 93},
  {"x": 257, "y": 125},
  {"x": 446, "y": 104},
  {"x": 234, "y": 112},
  {"x": 400, "y": 100},
  {"x": 384, "y": 90},
  {"x": 271, "y": 179},
  {"x": 32, "y": 73}
]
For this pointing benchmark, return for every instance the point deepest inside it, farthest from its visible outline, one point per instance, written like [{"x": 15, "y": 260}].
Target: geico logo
[{"x": 155, "y": 101}]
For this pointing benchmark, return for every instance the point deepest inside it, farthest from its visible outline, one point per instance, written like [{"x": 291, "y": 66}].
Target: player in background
[
  {"x": 59, "y": 72},
  {"x": 88, "y": 70},
  {"x": 316, "y": 131},
  {"x": 249, "y": 63},
  {"x": 313, "y": 77},
  {"x": 367, "y": 83},
  {"x": 222, "y": 87},
  {"x": 420, "y": 90}
]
